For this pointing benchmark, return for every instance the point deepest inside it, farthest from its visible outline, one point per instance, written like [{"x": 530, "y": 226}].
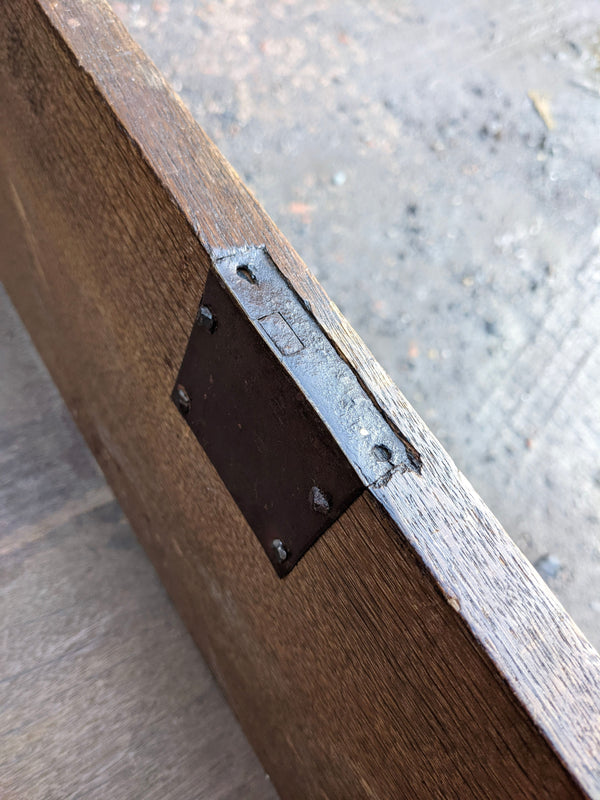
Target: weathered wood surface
[
  {"x": 413, "y": 651},
  {"x": 102, "y": 691}
]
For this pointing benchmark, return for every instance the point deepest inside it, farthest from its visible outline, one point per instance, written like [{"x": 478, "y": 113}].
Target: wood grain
[
  {"x": 102, "y": 691},
  {"x": 413, "y": 651}
]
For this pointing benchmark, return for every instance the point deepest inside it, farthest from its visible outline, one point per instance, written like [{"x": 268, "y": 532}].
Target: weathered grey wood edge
[{"x": 520, "y": 624}]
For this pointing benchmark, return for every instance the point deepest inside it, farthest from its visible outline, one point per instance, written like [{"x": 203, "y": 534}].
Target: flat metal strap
[{"x": 282, "y": 417}]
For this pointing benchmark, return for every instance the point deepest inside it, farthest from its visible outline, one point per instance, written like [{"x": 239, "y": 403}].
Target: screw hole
[
  {"x": 246, "y": 273},
  {"x": 382, "y": 453}
]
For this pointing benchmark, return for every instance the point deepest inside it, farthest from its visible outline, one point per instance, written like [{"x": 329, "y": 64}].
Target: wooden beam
[{"x": 413, "y": 651}]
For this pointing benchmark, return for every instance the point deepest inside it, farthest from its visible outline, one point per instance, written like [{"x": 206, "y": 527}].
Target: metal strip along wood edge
[{"x": 260, "y": 381}]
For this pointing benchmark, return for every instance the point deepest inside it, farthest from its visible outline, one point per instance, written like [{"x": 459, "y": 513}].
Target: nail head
[
  {"x": 281, "y": 552},
  {"x": 319, "y": 501}
]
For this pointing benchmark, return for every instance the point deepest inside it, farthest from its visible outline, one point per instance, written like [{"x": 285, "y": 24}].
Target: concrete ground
[{"x": 438, "y": 167}]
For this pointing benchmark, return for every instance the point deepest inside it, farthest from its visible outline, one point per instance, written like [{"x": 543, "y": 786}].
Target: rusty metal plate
[{"x": 282, "y": 417}]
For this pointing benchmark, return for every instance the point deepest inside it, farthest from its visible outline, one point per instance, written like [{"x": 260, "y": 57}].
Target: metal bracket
[{"x": 280, "y": 414}]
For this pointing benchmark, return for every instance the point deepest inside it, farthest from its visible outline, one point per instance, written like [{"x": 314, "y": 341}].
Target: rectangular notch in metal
[{"x": 281, "y": 416}]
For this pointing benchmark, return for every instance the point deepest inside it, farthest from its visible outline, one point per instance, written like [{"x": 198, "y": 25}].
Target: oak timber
[{"x": 413, "y": 651}]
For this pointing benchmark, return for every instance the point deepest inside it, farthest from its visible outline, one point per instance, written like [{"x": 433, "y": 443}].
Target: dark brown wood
[
  {"x": 102, "y": 691},
  {"x": 413, "y": 651}
]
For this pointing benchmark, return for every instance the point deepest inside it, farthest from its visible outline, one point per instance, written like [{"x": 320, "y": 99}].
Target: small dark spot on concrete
[
  {"x": 548, "y": 566},
  {"x": 109, "y": 513},
  {"x": 122, "y": 540},
  {"x": 490, "y": 327}
]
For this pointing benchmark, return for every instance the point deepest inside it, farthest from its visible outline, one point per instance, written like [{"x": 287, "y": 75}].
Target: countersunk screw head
[
  {"x": 206, "y": 319},
  {"x": 281, "y": 552},
  {"x": 183, "y": 399},
  {"x": 319, "y": 501}
]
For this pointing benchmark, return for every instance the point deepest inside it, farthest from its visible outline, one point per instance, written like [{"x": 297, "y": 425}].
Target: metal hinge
[{"x": 283, "y": 418}]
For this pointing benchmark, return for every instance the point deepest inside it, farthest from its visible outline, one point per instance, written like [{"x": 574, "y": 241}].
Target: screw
[
  {"x": 319, "y": 501},
  {"x": 281, "y": 552},
  {"x": 205, "y": 318},
  {"x": 246, "y": 273},
  {"x": 382, "y": 453},
  {"x": 183, "y": 399}
]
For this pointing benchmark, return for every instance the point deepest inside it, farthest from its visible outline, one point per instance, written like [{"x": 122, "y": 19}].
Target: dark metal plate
[{"x": 281, "y": 416}]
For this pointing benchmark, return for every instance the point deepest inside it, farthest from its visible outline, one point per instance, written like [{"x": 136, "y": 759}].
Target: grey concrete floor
[{"x": 438, "y": 167}]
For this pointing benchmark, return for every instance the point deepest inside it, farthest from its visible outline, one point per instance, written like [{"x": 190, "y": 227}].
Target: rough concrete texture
[{"x": 437, "y": 166}]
